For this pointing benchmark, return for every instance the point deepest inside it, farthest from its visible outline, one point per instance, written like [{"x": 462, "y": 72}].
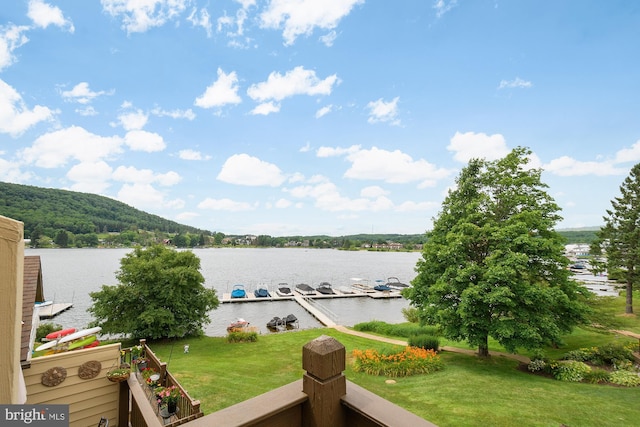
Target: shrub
[
  {"x": 411, "y": 314},
  {"x": 569, "y": 370},
  {"x": 612, "y": 354},
  {"x": 537, "y": 365},
  {"x": 428, "y": 342},
  {"x": 45, "y": 329},
  {"x": 405, "y": 330},
  {"x": 242, "y": 336},
  {"x": 410, "y": 361},
  {"x": 597, "y": 375},
  {"x": 579, "y": 355},
  {"x": 625, "y": 378}
]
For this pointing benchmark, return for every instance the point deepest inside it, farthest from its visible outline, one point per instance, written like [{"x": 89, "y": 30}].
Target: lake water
[{"x": 70, "y": 274}]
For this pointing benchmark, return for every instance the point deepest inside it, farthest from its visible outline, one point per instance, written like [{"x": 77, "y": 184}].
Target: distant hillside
[{"x": 78, "y": 213}]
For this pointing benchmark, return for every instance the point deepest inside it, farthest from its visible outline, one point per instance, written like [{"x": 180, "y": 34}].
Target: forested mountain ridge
[{"x": 78, "y": 213}]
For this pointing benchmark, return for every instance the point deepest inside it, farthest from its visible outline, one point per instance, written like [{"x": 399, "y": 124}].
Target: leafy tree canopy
[
  {"x": 493, "y": 266},
  {"x": 161, "y": 295},
  {"x": 620, "y": 236}
]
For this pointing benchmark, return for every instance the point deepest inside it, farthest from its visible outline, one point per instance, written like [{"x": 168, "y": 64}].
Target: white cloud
[
  {"x": 202, "y": 19},
  {"x": 295, "y": 82},
  {"x": 629, "y": 154},
  {"x": 90, "y": 177},
  {"x": 141, "y": 196},
  {"x": 223, "y": 91},
  {"x": 174, "y": 114},
  {"x": 145, "y": 176},
  {"x": 87, "y": 111},
  {"x": 373, "y": 191},
  {"x": 283, "y": 203},
  {"x": 225, "y": 205},
  {"x": 411, "y": 206},
  {"x": 236, "y": 34},
  {"x": 190, "y": 154},
  {"x": 140, "y": 15},
  {"x": 81, "y": 94},
  {"x": 54, "y": 149},
  {"x": 11, "y": 38},
  {"x": 265, "y": 108},
  {"x": 514, "y": 84},
  {"x": 444, "y": 6},
  {"x": 141, "y": 140},
  {"x": 329, "y": 38},
  {"x": 186, "y": 216},
  {"x": 15, "y": 116},
  {"x": 134, "y": 120},
  {"x": 324, "y": 111},
  {"x": 393, "y": 167},
  {"x": 10, "y": 172},
  {"x": 567, "y": 166},
  {"x": 470, "y": 145},
  {"x": 336, "y": 151},
  {"x": 43, "y": 15},
  {"x": 305, "y": 148},
  {"x": 242, "y": 169},
  {"x": 327, "y": 197},
  {"x": 380, "y": 111},
  {"x": 301, "y": 17}
]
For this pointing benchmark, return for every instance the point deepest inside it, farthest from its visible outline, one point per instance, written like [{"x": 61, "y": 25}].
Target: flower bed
[{"x": 410, "y": 361}]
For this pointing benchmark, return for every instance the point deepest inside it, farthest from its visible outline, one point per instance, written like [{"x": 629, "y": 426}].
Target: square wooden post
[{"x": 324, "y": 383}]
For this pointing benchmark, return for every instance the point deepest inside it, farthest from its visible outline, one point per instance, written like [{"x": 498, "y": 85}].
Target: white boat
[
  {"x": 284, "y": 290},
  {"x": 395, "y": 284}
]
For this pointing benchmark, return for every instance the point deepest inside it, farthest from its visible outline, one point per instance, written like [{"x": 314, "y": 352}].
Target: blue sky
[{"x": 300, "y": 117}]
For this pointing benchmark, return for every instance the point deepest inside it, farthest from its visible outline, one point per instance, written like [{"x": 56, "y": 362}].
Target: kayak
[
  {"x": 81, "y": 342},
  {"x": 59, "y": 334}
]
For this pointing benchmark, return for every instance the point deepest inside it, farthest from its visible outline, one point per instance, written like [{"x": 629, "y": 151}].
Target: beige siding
[{"x": 88, "y": 400}]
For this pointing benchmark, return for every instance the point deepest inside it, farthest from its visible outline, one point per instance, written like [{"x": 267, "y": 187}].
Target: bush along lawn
[{"x": 610, "y": 364}]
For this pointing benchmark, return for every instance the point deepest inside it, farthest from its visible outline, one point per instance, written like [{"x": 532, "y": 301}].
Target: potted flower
[
  {"x": 168, "y": 397},
  {"x": 118, "y": 374},
  {"x": 137, "y": 357}
]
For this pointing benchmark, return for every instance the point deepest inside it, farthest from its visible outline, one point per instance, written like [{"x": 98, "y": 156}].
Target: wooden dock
[
  {"x": 322, "y": 318},
  {"x": 51, "y": 311},
  {"x": 226, "y": 297}
]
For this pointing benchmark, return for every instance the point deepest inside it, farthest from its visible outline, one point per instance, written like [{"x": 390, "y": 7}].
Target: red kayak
[
  {"x": 93, "y": 344},
  {"x": 59, "y": 334}
]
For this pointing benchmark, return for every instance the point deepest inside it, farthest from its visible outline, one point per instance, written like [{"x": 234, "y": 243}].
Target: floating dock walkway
[
  {"x": 250, "y": 297},
  {"x": 52, "y": 310}
]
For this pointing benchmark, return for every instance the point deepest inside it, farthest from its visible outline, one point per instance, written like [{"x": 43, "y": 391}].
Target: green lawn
[{"x": 468, "y": 392}]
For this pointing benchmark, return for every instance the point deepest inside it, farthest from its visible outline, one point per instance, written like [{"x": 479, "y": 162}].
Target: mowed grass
[{"x": 468, "y": 392}]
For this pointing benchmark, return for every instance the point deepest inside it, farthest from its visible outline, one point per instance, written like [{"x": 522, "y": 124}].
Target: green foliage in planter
[
  {"x": 45, "y": 329},
  {"x": 625, "y": 378},
  {"x": 428, "y": 342},
  {"x": 239, "y": 336},
  {"x": 569, "y": 370}
]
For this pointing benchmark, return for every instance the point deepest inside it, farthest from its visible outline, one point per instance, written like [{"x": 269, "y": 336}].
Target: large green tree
[
  {"x": 493, "y": 266},
  {"x": 161, "y": 294},
  {"x": 620, "y": 236}
]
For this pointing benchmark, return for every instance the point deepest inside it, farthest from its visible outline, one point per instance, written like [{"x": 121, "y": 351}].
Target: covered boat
[
  {"x": 238, "y": 292},
  {"x": 284, "y": 290},
  {"x": 262, "y": 292},
  {"x": 305, "y": 289},
  {"x": 325, "y": 288}
]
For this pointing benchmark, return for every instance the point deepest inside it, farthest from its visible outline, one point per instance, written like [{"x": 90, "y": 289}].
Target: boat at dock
[
  {"x": 361, "y": 285},
  {"x": 284, "y": 290},
  {"x": 381, "y": 287},
  {"x": 395, "y": 284},
  {"x": 325, "y": 288},
  {"x": 304, "y": 289},
  {"x": 262, "y": 292},
  {"x": 238, "y": 292},
  {"x": 237, "y": 325}
]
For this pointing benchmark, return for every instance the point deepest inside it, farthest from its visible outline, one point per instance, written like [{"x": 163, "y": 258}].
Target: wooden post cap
[{"x": 323, "y": 358}]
